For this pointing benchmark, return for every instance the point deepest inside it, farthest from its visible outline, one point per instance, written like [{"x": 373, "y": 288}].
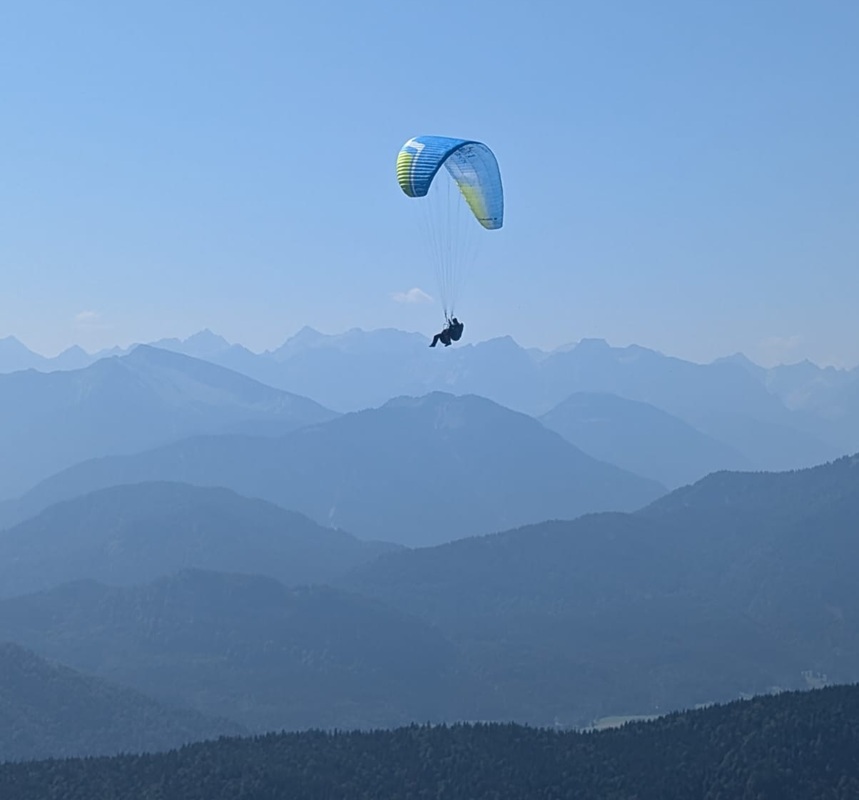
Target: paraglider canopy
[
  {"x": 471, "y": 175},
  {"x": 471, "y": 165}
]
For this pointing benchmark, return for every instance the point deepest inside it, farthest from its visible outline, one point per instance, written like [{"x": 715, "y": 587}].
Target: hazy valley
[{"x": 235, "y": 554}]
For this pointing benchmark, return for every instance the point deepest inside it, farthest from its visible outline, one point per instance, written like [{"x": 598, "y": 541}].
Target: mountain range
[
  {"x": 208, "y": 541},
  {"x": 641, "y": 438},
  {"x": 740, "y": 584},
  {"x": 136, "y": 533},
  {"x": 250, "y": 649},
  {"x": 49, "y": 421},
  {"x": 784, "y": 417},
  {"x": 415, "y": 471}
]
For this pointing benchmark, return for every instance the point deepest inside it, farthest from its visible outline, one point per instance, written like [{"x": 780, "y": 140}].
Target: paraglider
[
  {"x": 468, "y": 189},
  {"x": 452, "y": 332}
]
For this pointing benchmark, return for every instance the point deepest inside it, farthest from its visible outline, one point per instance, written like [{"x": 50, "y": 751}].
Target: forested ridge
[{"x": 793, "y": 745}]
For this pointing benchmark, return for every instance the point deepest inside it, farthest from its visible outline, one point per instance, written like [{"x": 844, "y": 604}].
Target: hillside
[
  {"x": 790, "y": 747},
  {"x": 252, "y": 650},
  {"x": 641, "y": 438},
  {"x": 688, "y": 601},
  {"x": 415, "y": 471},
  {"x": 136, "y": 533},
  {"x": 786, "y": 494},
  {"x": 49, "y": 421},
  {"x": 738, "y": 406},
  {"x": 784, "y": 417},
  {"x": 741, "y": 583},
  {"x": 47, "y": 710}
]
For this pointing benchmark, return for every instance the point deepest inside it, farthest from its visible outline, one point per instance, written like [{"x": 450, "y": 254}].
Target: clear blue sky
[{"x": 680, "y": 174}]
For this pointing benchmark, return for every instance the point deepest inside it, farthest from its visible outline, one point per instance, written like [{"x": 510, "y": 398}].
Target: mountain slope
[
  {"x": 49, "y": 421},
  {"x": 604, "y": 615},
  {"x": 359, "y": 368},
  {"x": 641, "y": 438},
  {"x": 47, "y": 710},
  {"x": 415, "y": 471},
  {"x": 783, "y": 494},
  {"x": 131, "y": 534},
  {"x": 741, "y": 583},
  {"x": 250, "y": 649},
  {"x": 768, "y": 445},
  {"x": 347, "y": 372},
  {"x": 812, "y": 414},
  {"x": 809, "y": 414},
  {"x": 14, "y": 355},
  {"x": 791, "y": 747}
]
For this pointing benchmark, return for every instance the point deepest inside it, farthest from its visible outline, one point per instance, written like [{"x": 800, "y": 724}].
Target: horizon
[
  {"x": 123, "y": 347},
  {"x": 683, "y": 177}
]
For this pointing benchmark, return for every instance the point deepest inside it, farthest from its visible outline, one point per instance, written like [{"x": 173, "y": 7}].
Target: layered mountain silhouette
[
  {"x": 415, "y": 471},
  {"x": 132, "y": 534},
  {"x": 50, "y": 711},
  {"x": 812, "y": 412},
  {"x": 49, "y": 421},
  {"x": 359, "y": 369},
  {"x": 641, "y": 438},
  {"x": 805, "y": 385},
  {"x": 14, "y": 356},
  {"x": 740, "y": 583},
  {"x": 783, "y": 417},
  {"x": 534, "y": 381},
  {"x": 251, "y": 649}
]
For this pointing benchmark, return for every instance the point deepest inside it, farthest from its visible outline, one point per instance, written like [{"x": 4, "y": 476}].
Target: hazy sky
[{"x": 683, "y": 175}]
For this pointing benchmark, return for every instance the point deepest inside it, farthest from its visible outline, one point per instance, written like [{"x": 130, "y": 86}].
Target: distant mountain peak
[
  {"x": 208, "y": 338},
  {"x": 740, "y": 358},
  {"x": 11, "y": 345},
  {"x": 308, "y": 334},
  {"x": 306, "y": 338},
  {"x": 156, "y": 353},
  {"x": 75, "y": 349},
  {"x": 507, "y": 343},
  {"x": 355, "y": 341},
  {"x": 431, "y": 400},
  {"x": 593, "y": 344},
  {"x": 16, "y": 356},
  {"x": 202, "y": 344},
  {"x": 146, "y": 351}
]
